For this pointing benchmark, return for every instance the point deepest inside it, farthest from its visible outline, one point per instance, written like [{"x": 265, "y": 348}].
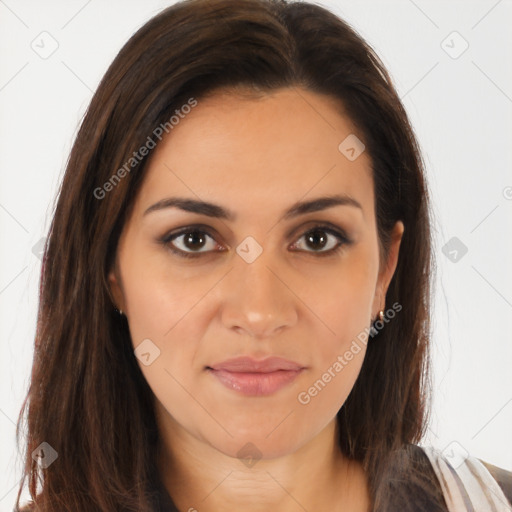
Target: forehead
[{"x": 271, "y": 150}]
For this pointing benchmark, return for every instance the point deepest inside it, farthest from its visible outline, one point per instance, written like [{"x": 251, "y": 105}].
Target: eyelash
[{"x": 343, "y": 240}]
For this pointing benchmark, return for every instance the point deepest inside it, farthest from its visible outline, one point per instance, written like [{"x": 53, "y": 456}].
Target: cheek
[
  {"x": 159, "y": 296},
  {"x": 166, "y": 310},
  {"x": 342, "y": 303},
  {"x": 336, "y": 363},
  {"x": 342, "y": 307}
]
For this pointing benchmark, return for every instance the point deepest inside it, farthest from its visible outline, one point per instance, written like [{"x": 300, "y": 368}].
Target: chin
[{"x": 259, "y": 442}]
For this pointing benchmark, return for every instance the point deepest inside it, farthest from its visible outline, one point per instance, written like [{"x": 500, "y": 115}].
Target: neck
[{"x": 315, "y": 477}]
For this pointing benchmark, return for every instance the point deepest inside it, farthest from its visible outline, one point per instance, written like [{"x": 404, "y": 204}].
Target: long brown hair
[{"x": 88, "y": 398}]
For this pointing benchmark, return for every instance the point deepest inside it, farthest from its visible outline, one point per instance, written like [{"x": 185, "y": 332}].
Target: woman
[{"x": 235, "y": 295}]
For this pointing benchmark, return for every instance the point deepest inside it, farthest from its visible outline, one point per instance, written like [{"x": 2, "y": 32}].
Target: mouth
[{"x": 251, "y": 377}]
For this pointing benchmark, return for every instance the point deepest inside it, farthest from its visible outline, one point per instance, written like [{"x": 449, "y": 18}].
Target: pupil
[
  {"x": 314, "y": 238},
  {"x": 192, "y": 237}
]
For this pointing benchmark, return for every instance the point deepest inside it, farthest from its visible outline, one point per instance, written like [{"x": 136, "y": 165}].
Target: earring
[
  {"x": 120, "y": 311},
  {"x": 380, "y": 316}
]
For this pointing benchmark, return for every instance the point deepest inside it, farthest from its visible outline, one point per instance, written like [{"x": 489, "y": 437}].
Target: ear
[
  {"x": 386, "y": 273},
  {"x": 116, "y": 288}
]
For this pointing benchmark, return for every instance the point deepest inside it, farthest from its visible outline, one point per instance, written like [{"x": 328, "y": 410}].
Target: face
[{"x": 255, "y": 275}]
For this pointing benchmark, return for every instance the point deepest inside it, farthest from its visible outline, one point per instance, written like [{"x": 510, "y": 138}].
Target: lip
[
  {"x": 252, "y": 365},
  {"x": 254, "y": 377}
]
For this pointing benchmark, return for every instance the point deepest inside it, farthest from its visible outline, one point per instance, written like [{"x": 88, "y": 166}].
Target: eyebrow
[{"x": 218, "y": 212}]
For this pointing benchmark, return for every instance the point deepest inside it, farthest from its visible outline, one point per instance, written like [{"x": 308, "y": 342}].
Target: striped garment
[{"x": 467, "y": 484}]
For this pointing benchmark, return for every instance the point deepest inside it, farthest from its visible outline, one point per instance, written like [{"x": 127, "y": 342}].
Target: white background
[{"x": 460, "y": 108}]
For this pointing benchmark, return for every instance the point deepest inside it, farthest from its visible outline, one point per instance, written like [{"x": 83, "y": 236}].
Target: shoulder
[{"x": 408, "y": 483}]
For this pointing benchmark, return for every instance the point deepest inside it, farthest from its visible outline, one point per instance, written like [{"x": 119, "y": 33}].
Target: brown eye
[
  {"x": 194, "y": 240},
  {"x": 190, "y": 242},
  {"x": 322, "y": 240}
]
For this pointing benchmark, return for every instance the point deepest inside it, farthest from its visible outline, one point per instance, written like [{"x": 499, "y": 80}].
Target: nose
[{"x": 258, "y": 301}]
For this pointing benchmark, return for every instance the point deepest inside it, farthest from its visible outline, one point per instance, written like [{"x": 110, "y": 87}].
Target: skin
[{"x": 255, "y": 157}]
